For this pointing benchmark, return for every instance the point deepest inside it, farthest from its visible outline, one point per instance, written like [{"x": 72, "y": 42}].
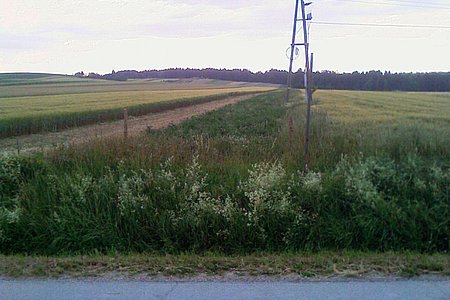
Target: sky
[{"x": 66, "y": 36}]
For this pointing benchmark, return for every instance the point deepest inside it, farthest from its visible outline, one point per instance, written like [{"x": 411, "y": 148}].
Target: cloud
[
  {"x": 122, "y": 18},
  {"x": 99, "y": 35},
  {"x": 13, "y": 42}
]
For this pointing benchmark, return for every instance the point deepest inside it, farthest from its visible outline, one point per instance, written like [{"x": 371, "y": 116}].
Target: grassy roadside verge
[
  {"x": 320, "y": 265},
  {"x": 229, "y": 181}
]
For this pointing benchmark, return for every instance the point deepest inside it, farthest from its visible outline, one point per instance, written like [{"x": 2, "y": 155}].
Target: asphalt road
[{"x": 73, "y": 289}]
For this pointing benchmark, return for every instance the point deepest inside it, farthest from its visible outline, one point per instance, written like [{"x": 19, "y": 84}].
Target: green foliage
[
  {"x": 10, "y": 178},
  {"x": 10, "y": 182},
  {"x": 388, "y": 205},
  {"x": 369, "y": 204}
]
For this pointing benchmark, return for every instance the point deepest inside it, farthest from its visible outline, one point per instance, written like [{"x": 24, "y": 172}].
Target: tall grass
[{"x": 230, "y": 181}]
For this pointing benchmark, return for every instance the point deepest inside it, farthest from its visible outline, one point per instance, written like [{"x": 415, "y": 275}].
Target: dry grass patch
[{"x": 298, "y": 265}]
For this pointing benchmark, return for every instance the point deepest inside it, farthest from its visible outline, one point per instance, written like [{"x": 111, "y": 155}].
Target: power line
[
  {"x": 383, "y": 25},
  {"x": 402, "y": 3},
  {"x": 419, "y": 2}
]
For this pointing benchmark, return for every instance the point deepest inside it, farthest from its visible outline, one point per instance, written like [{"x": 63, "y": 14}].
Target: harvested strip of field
[{"x": 136, "y": 125}]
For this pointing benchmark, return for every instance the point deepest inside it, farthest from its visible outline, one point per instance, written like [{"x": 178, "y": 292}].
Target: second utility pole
[
  {"x": 308, "y": 89},
  {"x": 308, "y": 70}
]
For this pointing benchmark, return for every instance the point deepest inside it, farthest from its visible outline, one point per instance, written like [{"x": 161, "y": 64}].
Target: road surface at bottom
[{"x": 73, "y": 289}]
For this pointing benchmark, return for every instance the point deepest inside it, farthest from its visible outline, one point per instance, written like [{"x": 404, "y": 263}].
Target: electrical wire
[
  {"x": 383, "y": 25},
  {"x": 309, "y": 30},
  {"x": 418, "y": 2},
  {"x": 401, "y": 3}
]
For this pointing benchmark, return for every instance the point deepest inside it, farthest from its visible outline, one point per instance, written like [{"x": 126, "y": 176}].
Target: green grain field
[
  {"x": 356, "y": 107},
  {"x": 36, "y": 106},
  {"x": 31, "y": 103}
]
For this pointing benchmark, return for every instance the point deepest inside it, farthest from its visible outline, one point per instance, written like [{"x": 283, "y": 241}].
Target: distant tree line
[{"x": 369, "y": 81}]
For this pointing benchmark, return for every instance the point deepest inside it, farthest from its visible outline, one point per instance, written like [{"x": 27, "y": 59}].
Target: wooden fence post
[{"x": 125, "y": 123}]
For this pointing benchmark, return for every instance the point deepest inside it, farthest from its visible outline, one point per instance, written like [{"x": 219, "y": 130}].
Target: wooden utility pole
[
  {"x": 308, "y": 88},
  {"x": 308, "y": 69},
  {"x": 306, "y": 45},
  {"x": 308, "y": 92},
  {"x": 311, "y": 72},
  {"x": 291, "y": 58}
]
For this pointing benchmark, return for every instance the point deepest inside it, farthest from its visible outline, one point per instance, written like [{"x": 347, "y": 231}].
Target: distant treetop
[{"x": 369, "y": 81}]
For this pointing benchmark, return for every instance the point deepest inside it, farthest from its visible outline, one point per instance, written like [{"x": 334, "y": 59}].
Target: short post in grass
[
  {"x": 18, "y": 146},
  {"x": 125, "y": 123},
  {"x": 291, "y": 130}
]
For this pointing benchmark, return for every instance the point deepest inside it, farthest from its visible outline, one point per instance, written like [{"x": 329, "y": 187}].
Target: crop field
[
  {"x": 160, "y": 117},
  {"x": 31, "y": 105},
  {"x": 20, "y": 79},
  {"x": 231, "y": 181},
  {"x": 21, "y": 85},
  {"x": 36, "y": 106},
  {"x": 350, "y": 107}
]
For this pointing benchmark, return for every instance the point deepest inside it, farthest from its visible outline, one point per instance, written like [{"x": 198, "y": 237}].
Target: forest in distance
[{"x": 365, "y": 81}]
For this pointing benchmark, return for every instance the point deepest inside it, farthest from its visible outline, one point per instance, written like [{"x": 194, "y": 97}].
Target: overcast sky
[{"x": 65, "y": 36}]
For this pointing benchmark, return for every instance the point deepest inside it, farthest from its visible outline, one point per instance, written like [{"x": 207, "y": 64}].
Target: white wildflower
[{"x": 312, "y": 181}]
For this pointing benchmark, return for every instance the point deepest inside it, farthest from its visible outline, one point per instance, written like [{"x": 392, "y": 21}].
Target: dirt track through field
[{"x": 136, "y": 126}]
